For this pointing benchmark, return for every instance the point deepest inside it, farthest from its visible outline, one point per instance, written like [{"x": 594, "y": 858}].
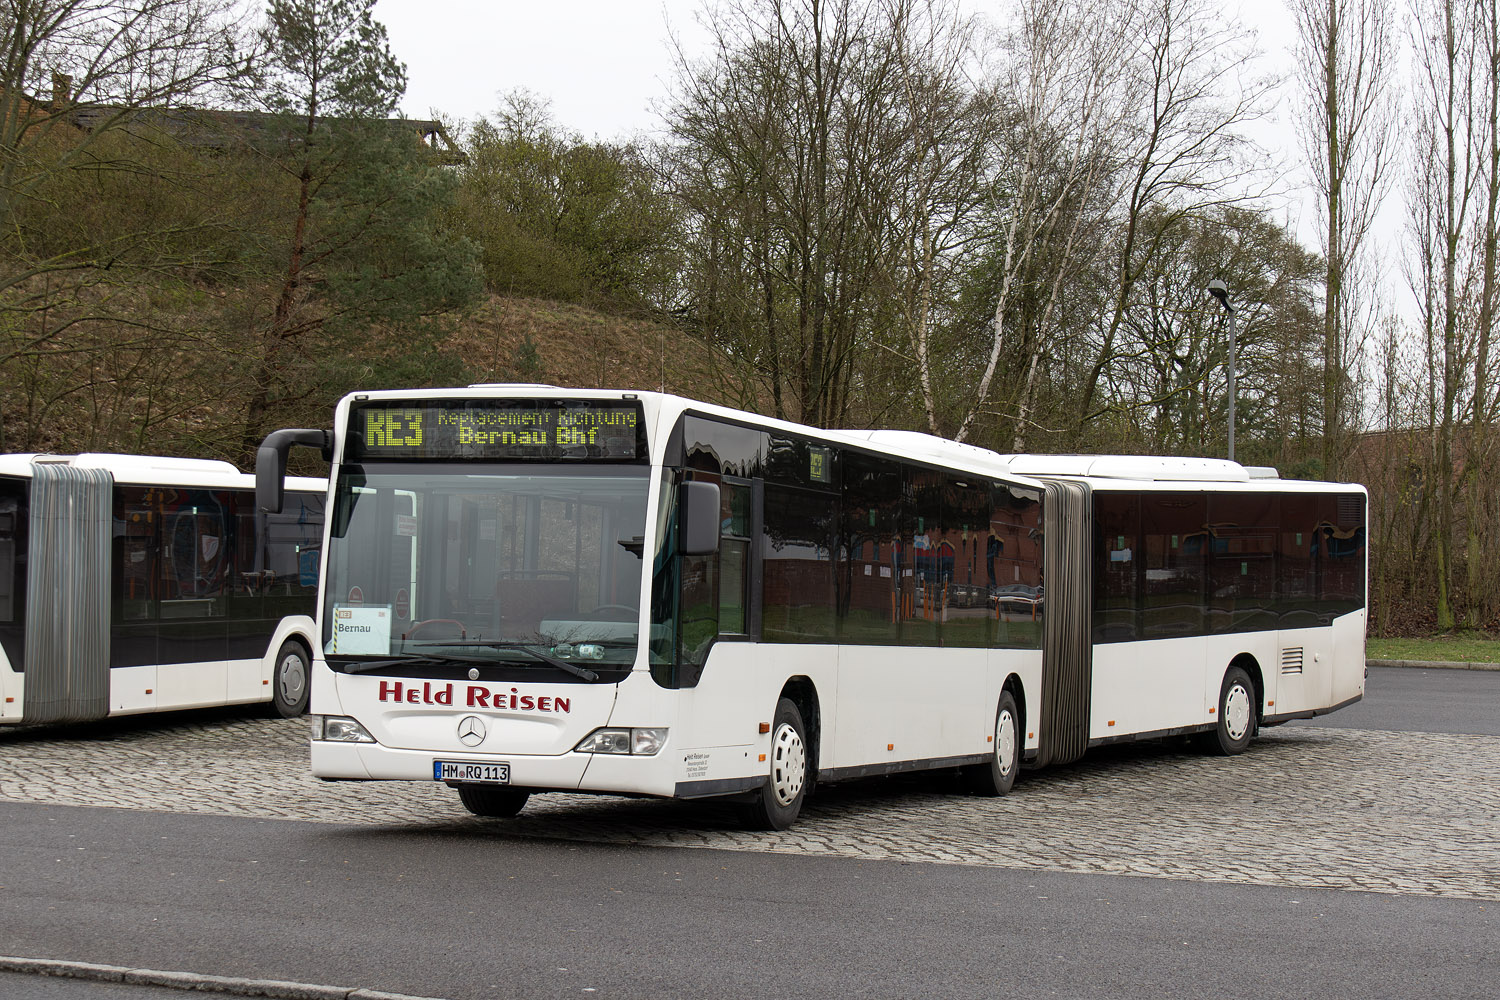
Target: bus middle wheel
[{"x": 996, "y": 775}]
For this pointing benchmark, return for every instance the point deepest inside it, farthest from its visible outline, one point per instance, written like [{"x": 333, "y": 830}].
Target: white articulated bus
[
  {"x": 531, "y": 589},
  {"x": 133, "y": 584}
]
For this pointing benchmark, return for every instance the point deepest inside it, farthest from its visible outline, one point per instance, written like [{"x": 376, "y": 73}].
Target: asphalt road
[
  {"x": 474, "y": 912},
  {"x": 476, "y": 916},
  {"x": 1412, "y": 700}
]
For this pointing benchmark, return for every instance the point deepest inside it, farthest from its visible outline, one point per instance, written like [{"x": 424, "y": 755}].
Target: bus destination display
[{"x": 507, "y": 430}]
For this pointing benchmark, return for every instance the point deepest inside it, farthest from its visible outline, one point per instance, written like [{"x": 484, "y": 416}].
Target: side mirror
[
  {"x": 698, "y": 519},
  {"x": 270, "y": 463}
]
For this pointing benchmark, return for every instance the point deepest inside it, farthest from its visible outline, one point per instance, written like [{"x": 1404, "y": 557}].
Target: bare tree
[
  {"x": 1066, "y": 78},
  {"x": 1480, "y": 481},
  {"x": 1183, "y": 151},
  {"x": 1443, "y": 185},
  {"x": 1347, "y": 52},
  {"x": 940, "y": 151},
  {"x": 780, "y": 141}
]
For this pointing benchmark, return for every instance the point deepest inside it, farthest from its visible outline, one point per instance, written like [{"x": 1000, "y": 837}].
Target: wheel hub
[
  {"x": 1237, "y": 712},
  {"x": 1005, "y": 742},
  {"x": 291, "y": 678},
  {"x": 788, "y": 764}
]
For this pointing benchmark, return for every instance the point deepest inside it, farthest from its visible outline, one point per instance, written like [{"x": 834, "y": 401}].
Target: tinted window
[
  {"x": 1242, "y": 561},
  {"x": 726, "y": 448},
  {"x": 1013, "y": 567},
  {"x": 1118, "y": 562},
  {"x": 1339, "y": 553},
  {"x": 288, "y": 568},
  {"x": 195, "y": 561},
  {"x": 962, "y": 598},
  {"x": 868, "y": 568},
  {"x": 797, "y": 602},
  {"x": 1175, "y": 540},
  {"x": 136, "y": 545},
  {"x": 1298, "y": 583},
  {"x": 793, "y": 461},
  {"x": 925, "y": 564},
  {"x": 15, "y": 525}
]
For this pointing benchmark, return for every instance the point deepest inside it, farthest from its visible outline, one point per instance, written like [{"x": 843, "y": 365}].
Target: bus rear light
[{"x": 641, "y": 742}]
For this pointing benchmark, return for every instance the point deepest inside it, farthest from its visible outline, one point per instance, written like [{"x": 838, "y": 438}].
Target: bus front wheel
[
  {"x": 1236, "y": 723},
  {"x": 289, "y": 680},
  {"x": 777, "y": 803},
  {"x": 996, "y": 775},
  {"x": 489, "y": 800}
]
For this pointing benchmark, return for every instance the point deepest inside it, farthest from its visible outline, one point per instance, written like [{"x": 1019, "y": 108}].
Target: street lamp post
[{"x": 1220, "y": 291}]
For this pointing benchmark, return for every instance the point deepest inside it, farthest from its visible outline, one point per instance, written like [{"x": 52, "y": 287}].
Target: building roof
[{"x": 207, "y": 128}]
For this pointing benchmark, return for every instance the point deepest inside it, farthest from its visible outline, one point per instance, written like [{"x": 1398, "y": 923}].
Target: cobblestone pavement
[{"x": 1304, "y": 807}]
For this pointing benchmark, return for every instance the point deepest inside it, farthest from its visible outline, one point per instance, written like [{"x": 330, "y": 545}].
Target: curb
[
  {"x": 273, "y": 988},
  {"x": 1434, "y": 664}
]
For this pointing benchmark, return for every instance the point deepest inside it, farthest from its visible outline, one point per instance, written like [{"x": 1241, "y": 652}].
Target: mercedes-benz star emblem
[{"x": 470, "y": 731}]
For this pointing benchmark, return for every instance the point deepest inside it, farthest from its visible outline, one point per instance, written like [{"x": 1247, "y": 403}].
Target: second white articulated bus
[
  {"x": 134, "y": 583},
  {"x": 530, "y": 589}
]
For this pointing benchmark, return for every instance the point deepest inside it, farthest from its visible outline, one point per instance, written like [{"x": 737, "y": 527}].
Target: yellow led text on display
[
  {"x": 393, "y": 428},
  {"x": 427, "y": 432},
  {"x": 534, "y": 428}
]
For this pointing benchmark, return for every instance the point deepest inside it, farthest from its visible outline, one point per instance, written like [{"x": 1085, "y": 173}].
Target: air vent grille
[{"x": 1291, "y": 660}]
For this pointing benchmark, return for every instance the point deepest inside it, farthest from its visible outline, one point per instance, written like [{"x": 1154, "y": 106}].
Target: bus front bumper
[{"x": 625, "y": 774}]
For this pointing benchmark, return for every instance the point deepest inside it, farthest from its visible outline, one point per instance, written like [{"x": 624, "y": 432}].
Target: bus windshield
[{"x": 482, "y": 562}]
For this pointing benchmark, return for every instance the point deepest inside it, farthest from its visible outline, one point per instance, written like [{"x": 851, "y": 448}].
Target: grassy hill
[{"x": 579, "y": 347}]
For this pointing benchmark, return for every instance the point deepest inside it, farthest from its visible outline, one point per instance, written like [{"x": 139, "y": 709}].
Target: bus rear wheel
[
  {"x": 777, "y": 803},
  {"x": 996, "y": 775},
  {"x": 1236, "y": 724},
  {"x": 490, "y": 800},
  {"x": 289, "y": 680}
]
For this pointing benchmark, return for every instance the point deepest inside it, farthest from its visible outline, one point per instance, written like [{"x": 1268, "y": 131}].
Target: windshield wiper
[
  {"x": 584, "y": 673},
  {"x": 364, "y": 666}
]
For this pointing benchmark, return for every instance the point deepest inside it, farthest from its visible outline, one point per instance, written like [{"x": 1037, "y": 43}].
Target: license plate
[{"x": 471, "y": 771}]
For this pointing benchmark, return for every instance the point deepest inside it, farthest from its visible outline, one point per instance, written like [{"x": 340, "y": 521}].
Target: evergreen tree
[{"x": 363, "y": 268}]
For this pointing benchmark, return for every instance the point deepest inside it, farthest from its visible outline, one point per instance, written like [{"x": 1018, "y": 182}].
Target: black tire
[
  {"x": 777, "y": 803},
  {"x": 493, "y": 800},
  {"x": 291, "y": 678},
  {"x": 996, "y": 775},
  {"x": 1236, "y": 724}
]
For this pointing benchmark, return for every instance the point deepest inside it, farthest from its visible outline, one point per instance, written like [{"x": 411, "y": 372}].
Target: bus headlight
[
  {"x": 643, "y": 742},
  {"x": 339, "y": 729}
]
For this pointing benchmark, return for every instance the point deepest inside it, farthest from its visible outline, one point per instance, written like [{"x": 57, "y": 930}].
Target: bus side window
[
  {"x": 136, "y": 522},
  {"x": 699, "y": 623},
  {"x": 13, "y": 527},
  {"x": 734, "y": 559}
]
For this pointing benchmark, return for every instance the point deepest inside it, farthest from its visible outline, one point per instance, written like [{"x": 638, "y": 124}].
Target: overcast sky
[{"x": 602, "y": 64}]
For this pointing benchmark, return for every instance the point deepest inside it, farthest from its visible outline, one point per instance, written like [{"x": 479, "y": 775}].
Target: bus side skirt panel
[{"x": 68, "y": 580}]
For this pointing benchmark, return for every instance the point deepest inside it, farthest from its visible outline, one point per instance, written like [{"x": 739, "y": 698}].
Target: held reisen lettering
[{"x": 475, "y": 696}]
